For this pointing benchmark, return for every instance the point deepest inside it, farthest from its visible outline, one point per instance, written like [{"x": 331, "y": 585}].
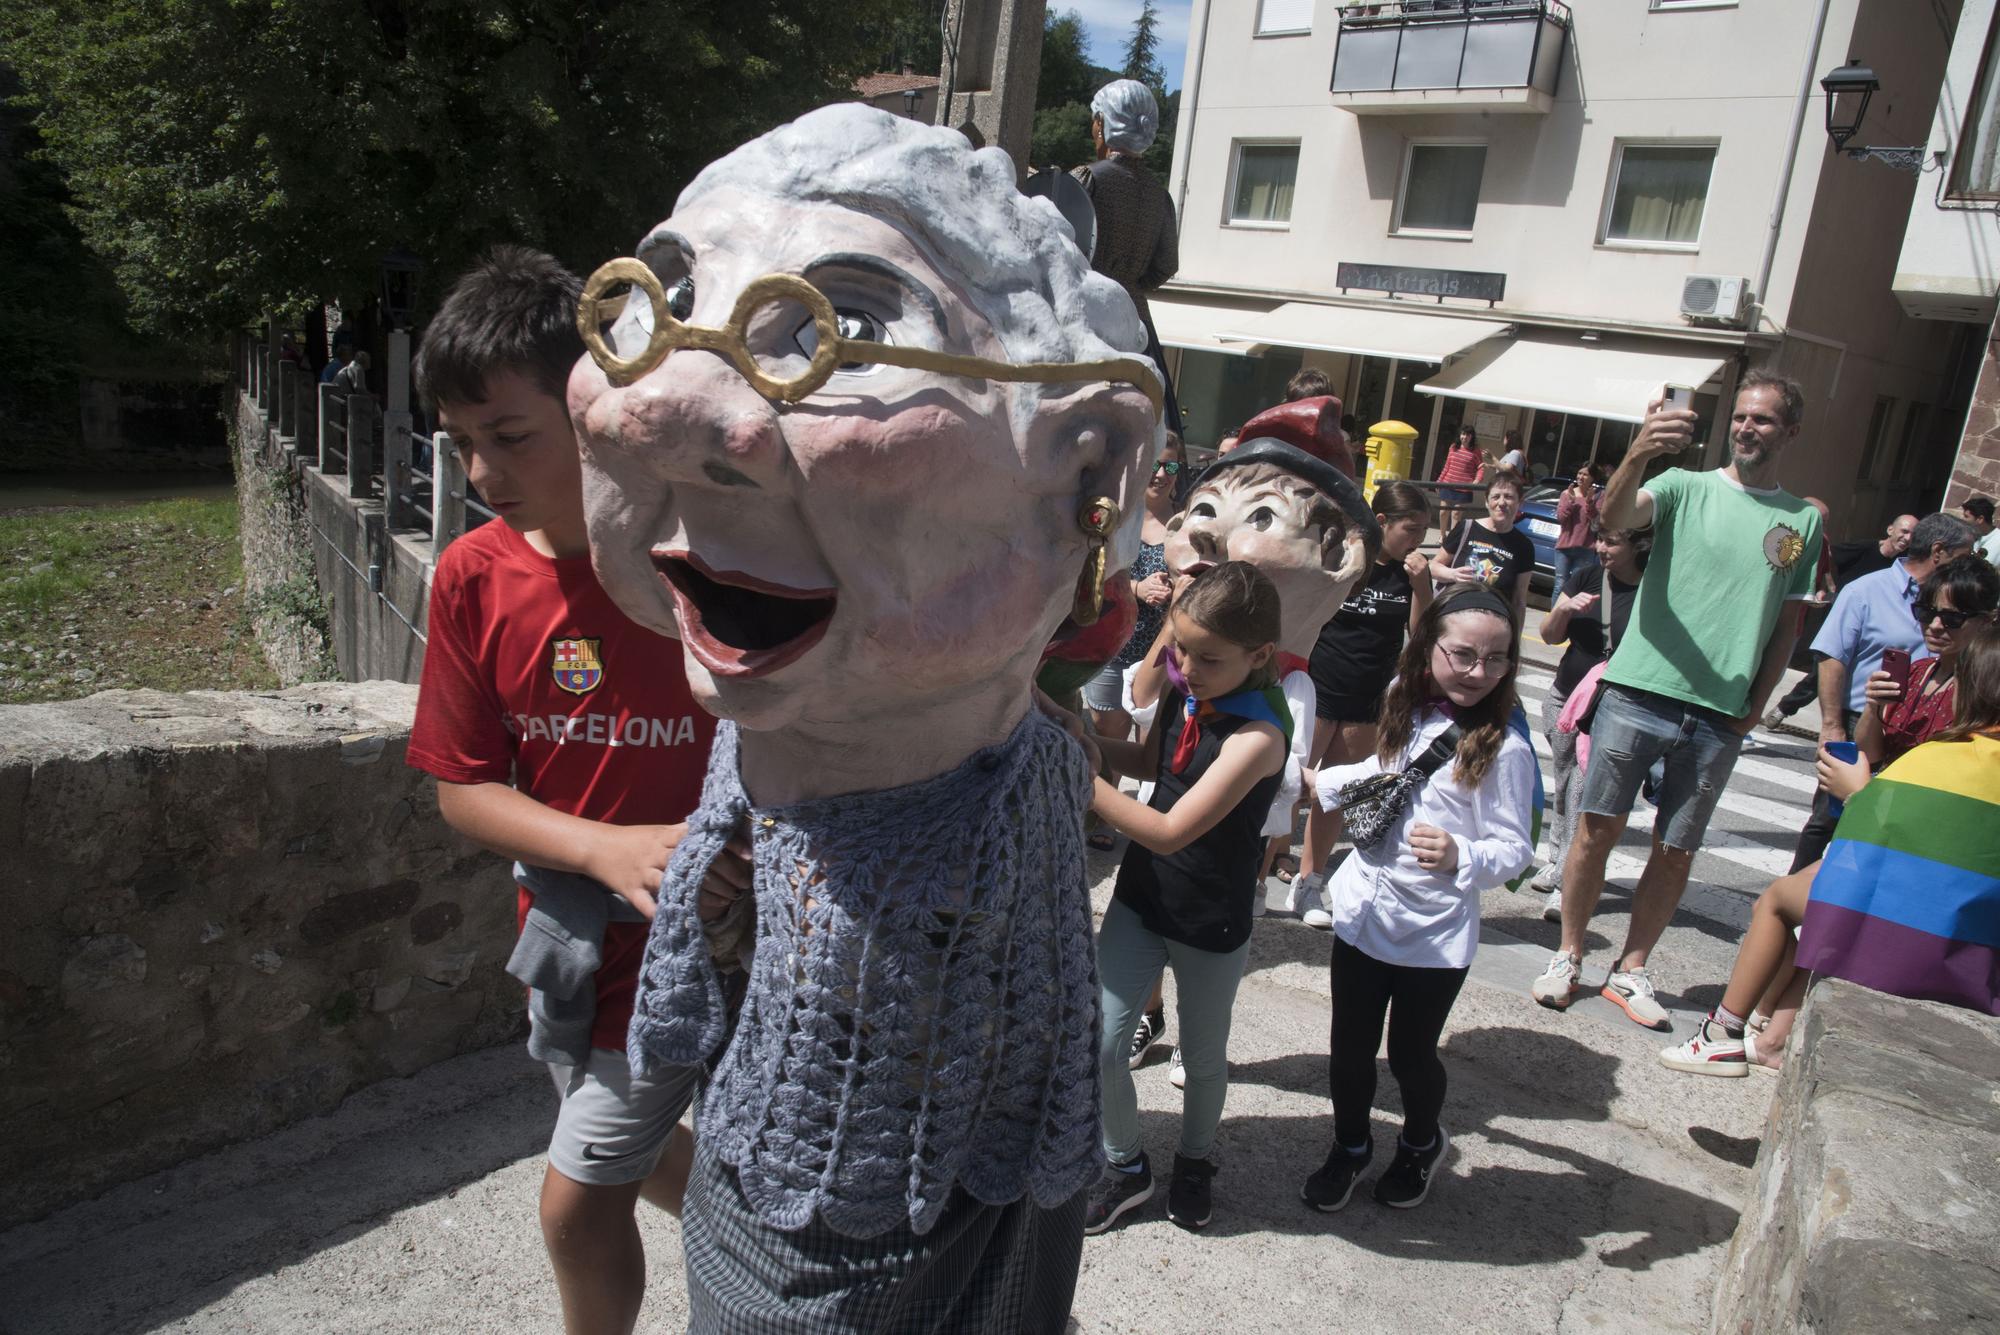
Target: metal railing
[{"x": 1412, "y": 45}]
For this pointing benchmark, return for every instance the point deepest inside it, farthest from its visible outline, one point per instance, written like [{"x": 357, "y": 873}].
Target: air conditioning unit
[{"x": 1709, "y": 296}]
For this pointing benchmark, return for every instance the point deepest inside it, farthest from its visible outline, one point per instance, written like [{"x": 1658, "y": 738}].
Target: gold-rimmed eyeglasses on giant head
[{"x": 831, "y": 351}]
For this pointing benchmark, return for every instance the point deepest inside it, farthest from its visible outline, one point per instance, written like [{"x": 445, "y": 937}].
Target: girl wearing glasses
[
  {"x": 1406, "y": 910},
  {"x": 1956, "y": 598}
]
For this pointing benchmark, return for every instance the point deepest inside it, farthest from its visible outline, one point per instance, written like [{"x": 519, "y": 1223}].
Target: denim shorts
[
  {"x": 1634, "y": 729},
  {"x": 1105, "y": 691}
]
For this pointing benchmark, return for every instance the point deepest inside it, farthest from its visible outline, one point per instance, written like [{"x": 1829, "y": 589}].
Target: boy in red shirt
[{"x": 563, "y": 735}]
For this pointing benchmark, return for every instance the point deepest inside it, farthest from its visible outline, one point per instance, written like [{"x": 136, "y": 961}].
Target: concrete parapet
[
  {"x": 1877, "y": 1204},
  {"x": 225, "y": 911}
]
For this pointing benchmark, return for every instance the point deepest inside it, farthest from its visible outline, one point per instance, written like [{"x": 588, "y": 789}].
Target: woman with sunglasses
[
  {"x": 1956, "y": 597},
  {"x": 1102, "y": 693}
]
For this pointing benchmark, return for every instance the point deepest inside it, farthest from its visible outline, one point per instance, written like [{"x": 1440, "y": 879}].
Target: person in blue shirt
[
  {"x": 1870, "y": 617},
  {"x": 343, "y": 353}
]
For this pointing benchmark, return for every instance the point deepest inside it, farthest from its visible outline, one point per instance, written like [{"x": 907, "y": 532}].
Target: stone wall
[
  {"x": 1877, "y": 1203},
  {"x": 335, "y": 593},
  {"x": 1976, "y": 471},
  {"x": 224, "y": 913}
]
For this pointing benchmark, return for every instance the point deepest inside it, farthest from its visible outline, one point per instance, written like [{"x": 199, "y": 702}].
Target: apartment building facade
[{"x": 1526, "y": 215}]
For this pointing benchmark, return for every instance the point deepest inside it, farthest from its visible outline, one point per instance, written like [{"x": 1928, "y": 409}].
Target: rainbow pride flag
[{"x": 1907, "y": 900}]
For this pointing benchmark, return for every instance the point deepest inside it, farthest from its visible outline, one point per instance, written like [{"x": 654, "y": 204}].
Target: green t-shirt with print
[{"x": 1725, "y": 561}]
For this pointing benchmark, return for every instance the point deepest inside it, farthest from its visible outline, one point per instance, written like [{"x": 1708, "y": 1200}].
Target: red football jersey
[{"x": 533, "y": 676}]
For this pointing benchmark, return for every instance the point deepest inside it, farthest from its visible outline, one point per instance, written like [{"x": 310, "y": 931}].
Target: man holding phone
[
  {"x": 1871, "y": 618},
  {"x": 1707, "y": 642}
]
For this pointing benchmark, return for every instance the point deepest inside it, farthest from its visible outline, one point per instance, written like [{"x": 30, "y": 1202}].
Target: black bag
[{"x": 1374, "y": 804}]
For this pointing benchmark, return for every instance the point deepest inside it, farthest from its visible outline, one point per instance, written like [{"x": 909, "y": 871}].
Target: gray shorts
[
  {"x": 612, "y": 1128},
  {"x": 1105, "y": 691},
  {"x": 1633, "y": 729}
]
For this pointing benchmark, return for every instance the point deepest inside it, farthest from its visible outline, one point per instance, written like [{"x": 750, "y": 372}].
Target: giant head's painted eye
[
  {"x": 680, "y": 298},
  {"x": 855, "y": 326}
]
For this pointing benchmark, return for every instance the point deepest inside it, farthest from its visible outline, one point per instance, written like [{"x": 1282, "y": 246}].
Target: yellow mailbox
[{"x": 1388, "y": 449}]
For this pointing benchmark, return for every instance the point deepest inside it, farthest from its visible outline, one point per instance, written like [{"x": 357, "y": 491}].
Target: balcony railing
[{"x": 1431, "y": 55}]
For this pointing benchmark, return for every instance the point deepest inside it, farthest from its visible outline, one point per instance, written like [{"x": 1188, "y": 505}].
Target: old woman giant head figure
[{"x": 834, "y": 534}]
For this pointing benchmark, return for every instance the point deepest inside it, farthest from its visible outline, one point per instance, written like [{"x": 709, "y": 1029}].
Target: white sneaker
[
  {"x": 1559, "y": 983},
  {"x": 1632, "y": 992},
  {"x": 1319, "y": 916},
  {"x": 1305, "y": 891},
  {"x": 1710, "y": 1052},
  {"x": 1550, "y": 877},
  {"x": 1258, "y": 906},
  {"x": 1553, "y": 910},
  {"x": 1177, "y": 1073}
]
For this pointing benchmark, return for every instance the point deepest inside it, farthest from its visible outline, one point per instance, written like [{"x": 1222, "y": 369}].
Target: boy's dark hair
[
  {"x": 1980, "y": 507},
  {"x": 1237, "y": 601},
  {"x": 1307, "y": 383},
  {"x": 1974, "y": 586},
  {"x": 515, "y": 310}
]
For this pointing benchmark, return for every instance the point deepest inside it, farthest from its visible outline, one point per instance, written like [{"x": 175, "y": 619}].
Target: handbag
[{"x": 1373, "y": 805}]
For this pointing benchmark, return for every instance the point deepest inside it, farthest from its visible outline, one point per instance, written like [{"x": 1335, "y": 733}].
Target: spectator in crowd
[
  {"x": 1513, "y": 458},
  {"x": 1462, "y": 465},
  {"x": 1102, "y": 694},
  {"x": 1870, "y": 617},
  {"x": 1841, "y": 563},
  {"x": 290, "y": 351},
  {"x": 1707, "y": 642},
  {"x": 1494, "y": 553},
  {"x": 1957, "y": 606},
  {"x": 1308, "y": 383},
  {"x": 1978, "y": 512},
  {"x": 1405, "y": 905},
  {"x": 1579, "y": 615},
  {"x": 343, "y": 352},
  {"x": 1138, "y": 242},
  {"x": 1576, "y": 520},
  {"x": 1353, "y": 664}
]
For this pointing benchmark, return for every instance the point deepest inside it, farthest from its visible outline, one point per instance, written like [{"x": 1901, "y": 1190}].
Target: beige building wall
[{"x": 1724, "y": 74}]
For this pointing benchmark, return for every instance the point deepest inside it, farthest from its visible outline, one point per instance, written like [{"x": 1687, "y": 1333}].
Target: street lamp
[
  {"x": 400, "y": 268},
  {"x": 1848, "y": 90},
  {"x": 910, "y": 98}
]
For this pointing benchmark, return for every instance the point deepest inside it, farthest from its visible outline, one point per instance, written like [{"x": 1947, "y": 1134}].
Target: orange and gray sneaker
[
  {"x": 1560, "y": 982},
  {"x": 1631, "y": 991}
]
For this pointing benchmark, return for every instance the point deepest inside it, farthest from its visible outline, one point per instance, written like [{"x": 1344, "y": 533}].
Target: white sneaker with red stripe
[{"x": 1710, "y": 1052}]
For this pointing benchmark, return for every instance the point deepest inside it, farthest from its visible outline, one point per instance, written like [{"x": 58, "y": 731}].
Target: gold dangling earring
[{"x": 1098, "y": 519}]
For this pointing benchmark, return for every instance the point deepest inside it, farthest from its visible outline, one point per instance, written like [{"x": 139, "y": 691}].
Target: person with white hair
[
  {"x": 868, "y": 430},
  {"x": 1138, "y": 242}
]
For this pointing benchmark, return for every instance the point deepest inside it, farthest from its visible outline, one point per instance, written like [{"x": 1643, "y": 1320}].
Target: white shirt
[
  {"x": 1384, "y": 904},
  {"x": 1300, "y": 697}
]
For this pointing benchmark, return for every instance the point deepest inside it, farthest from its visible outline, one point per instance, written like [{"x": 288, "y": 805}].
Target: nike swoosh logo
[{"x": 590, "y": 1153}]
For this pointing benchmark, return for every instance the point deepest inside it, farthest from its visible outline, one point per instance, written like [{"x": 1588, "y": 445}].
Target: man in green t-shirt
[{"x": 1706, "y": 645}]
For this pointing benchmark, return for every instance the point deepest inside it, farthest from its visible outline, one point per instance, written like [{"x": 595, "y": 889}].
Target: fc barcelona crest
[{"x": 578, "y": 668}]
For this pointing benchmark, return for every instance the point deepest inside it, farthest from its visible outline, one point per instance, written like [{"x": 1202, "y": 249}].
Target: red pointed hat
[{"x": 1312, "y": 425}]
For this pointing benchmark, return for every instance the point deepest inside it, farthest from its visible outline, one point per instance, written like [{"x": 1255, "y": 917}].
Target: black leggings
[{"x": 1364, "y": 991}]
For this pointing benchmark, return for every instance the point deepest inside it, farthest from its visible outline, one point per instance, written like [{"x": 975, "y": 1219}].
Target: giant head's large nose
[
  {"x": 1205, "y": 536},
  {"x": 698, "y": 419}
]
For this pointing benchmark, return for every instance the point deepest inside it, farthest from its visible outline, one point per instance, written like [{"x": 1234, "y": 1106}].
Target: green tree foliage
[
  {"x": 234, "y": 156},
  {"x": 1061, "y": 137},
  {"x": 1142, "y": 50},
  {"x": 1066, "y": 75}
]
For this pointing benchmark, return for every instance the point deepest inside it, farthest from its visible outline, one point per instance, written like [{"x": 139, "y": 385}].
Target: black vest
[{"x": 1200, "y": 896}]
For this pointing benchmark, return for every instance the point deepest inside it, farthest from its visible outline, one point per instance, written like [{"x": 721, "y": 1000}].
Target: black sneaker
[
  {"x": 1151, "y": 1025},
  {"x": 1329, "y": 1188},
  {"x": 1188, "y": 1195},
  {"x": 1115, "y": 1193},
  {"x": 1408, "y": 1180}
]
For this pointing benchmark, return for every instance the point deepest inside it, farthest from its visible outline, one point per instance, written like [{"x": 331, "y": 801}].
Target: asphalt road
[{"x": 1588, "y": 1187}]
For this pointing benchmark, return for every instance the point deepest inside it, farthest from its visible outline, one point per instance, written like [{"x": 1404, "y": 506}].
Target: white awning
[
  {"x": 1613, "y": 378},
  {"x": 1182, "y": 323},
  {"x": 1410, "y": 336}
]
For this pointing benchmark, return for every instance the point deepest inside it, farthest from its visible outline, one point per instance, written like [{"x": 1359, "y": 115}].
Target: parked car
[{"x": 1538, "y": 520}]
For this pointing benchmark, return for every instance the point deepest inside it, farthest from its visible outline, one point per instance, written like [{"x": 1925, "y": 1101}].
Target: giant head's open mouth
[{"x": 737, "y": 625}]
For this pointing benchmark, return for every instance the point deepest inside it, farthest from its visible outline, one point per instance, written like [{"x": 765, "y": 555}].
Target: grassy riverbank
[{"x": 124, "y": 596}]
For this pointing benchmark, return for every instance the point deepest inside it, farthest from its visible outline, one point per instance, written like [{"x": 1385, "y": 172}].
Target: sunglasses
[
  {"x": 832, "y": 351},
  {"x": 1167, "y": 466},
  {"x": 1927, "y": 612}
]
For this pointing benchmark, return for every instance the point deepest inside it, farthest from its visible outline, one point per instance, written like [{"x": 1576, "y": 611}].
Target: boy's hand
[
  {"x": 728, "y": 878},
  {"x": 631, "y": 859},
  {"x": 1435, "y": 850}
]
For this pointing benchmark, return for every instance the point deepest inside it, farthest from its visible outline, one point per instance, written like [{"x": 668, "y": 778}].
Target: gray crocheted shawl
[{"x": 922, "y": 1006}]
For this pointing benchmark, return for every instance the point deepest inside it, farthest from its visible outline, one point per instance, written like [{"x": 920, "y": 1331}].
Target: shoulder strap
[
  {"x": 1605, "y": 605},
  {"x": 1442, "y": 748}
]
